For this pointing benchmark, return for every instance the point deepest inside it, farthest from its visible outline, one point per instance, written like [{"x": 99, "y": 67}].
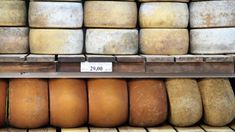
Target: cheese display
[
  {"x": 184, "y": 102},
  {"x": 55, "y": 14},
  {"x": 218, "y": 101},
  {"x": 56, "y": 41},
  {"x": 148, "y": 102},
  {"x": 3, "y": 105},
  {"x": 115, "y": 14}
]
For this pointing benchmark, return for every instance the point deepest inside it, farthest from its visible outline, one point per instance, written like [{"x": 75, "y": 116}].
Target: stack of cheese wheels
[
  {"x": 55, "y": 27},
  {"x": 218, "y": 101},
  {"x": 28, "y": 103},
  {"x": 184, "y": 102},
  {"x": 3, "y": 94},
  {"x": 108, "y": 102},
  {"x": 116, "y": 20},
  {"x": 213, "y": 27},
  {"x": 68, "y": 102},
  {"x": 163, "y": 26},
  {"x": 13, "y": 33},
  {"x": 148, "y": 102}
]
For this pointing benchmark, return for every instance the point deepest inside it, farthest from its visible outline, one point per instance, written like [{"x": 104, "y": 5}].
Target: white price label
[{"x": 96, "y": 67}]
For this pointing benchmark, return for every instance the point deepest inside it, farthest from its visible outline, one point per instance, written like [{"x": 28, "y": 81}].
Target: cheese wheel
[
  {"x": 164, "y": 41},
  {"x": 55, "y": 14},
  {"x": 28, "y": 103},
  {"x": 185, "y": 101},
  {"x": 218, "y": 101},
  {"x": 212, "y": 41},
  {"x": 115, "y": 14},
  {"x": 148, "y": 102},
  {"x": 14, "y": 40},
  {"x": 212, "y": 14},
  {"x": 108, "y": 102},
  {"x": 68, "y": 102},
  {"x": 111, "y": 41},
  {"x": 56, "y": 41},
  {"x": 163, "y": 0},
  {"x": 12, "y": 13},
  {"x": 3, "y": 94},
  {"x": 164, "y": 15}
]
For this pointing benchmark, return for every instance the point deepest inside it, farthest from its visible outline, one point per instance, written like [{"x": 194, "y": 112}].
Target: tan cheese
[
  {"x": 164, "y": 41},
  {"x": 164, "y": 15},
  {"x": 55, "y": 14},
  {"x": 56, "y": 41},
  {"x": 115, "y": 14},
  {"x": 3, "y": 96}
]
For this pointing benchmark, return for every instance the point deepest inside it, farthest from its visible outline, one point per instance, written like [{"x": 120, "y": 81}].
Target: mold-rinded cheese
[
  {"x": 212, "y": 14},
  {"x": 3, "y": 95},
  {"x": 14, "y": 40},
  {"x": 218, "y": 101},
  {"x": 12, "y": 13},
  {"x": 163, "y": 15},
  {"x": 212, "y": 41},
  {"x": 185, "y": 101},
  {"x": 68, "y": 102},
  {"x": 111, "y": 41},
  {"x": 148, "y": 102},
  {"x": 115, "y": 14},
  {"x": 108, "y": 102},
  {"x": 28, "y": 103},
  {"x": 55, "y": 14},
  {"x": 163, "y": 0},
  {"x": 164, "y": 41},
  {"x": 56, "y": 41}
]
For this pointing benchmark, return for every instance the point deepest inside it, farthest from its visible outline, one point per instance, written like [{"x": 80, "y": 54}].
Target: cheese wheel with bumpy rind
[
  {"x": 212, "y": 14},
  {"x": 163, "y": 15},
  {"x": 55, "y": 14},
  {"x": 56, "y": 41},
  {"x": 28, "y": 103},
  {"x": 164, "y": 41},
  {"x": 12, "y": 13},
  {"x": 3, "y": 96},
  {"x": 108, "y": 102},
  {"x": 185, "y": 102},
  {"x": 14, "y": 40},
  {"x": 110, "y": 14},
  {"x": 218, "y": 101},
  {"x": 111, "y": 41},
  {"x": 148, "y": 102}
]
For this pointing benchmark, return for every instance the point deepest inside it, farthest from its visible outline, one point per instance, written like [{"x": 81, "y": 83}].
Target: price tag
[{"x": 96, "y": 67}]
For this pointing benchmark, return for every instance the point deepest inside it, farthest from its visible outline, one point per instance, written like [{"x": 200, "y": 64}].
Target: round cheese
[
  {"x": 56, "y": 41},
  {"x": 148, "y": 102},
  {"x": 108, "y": 102},
  {"x": 14, "y": 40},
  {"x": 3, "y": 95},
  {"x": 218, "y": 101},
  {"x": 212, "y": 41},
  {"x": 55, "y": 14},
  {"x": 28, "y": 103},
  {"x": 163, "y": 15},
  {"x": 164, "y": 41},
  {"x": 68, "y": 102},
  {"x": 185, "y": 102},
  {"x": 212, "y": 14},
  {"x": 115, "y": 14},
  {"x": 111, "y": 41}
]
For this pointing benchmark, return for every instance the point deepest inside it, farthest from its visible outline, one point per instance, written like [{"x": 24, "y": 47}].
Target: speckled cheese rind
[
  {"x": 218, "y": 101},
  {"x": 55, "y": 14},
  {"x": 212, "y": 41},
  {"x": 164, "y": 41},
  {"x": 115, "y": 14},
  {"x": 212, "y": 14},
  {"x": 12, "y": 13},
  {"x": 56, "y": 41},
  {"x": 14, "y": 40},
  {"x": 164, "y": 15},
  {"x": 111, "y": 41},
  {"x": 185, "y": 101}
]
